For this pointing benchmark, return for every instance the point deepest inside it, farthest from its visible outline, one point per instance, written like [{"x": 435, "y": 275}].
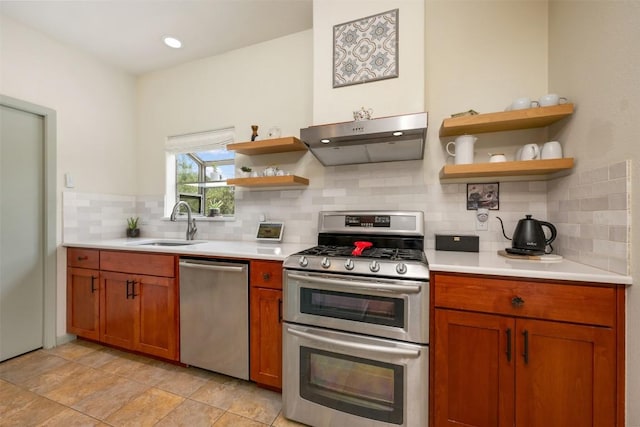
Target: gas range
[{"x": 372, "y": 243}]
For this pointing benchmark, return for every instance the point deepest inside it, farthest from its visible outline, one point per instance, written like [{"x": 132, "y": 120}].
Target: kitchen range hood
[{"x": 387, "y": 139}]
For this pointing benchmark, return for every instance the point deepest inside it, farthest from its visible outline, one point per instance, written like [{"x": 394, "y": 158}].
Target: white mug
[
  {"x": 523, "y": 103},
  {"x": 463, "y": 149},
  {"x": 551, "y": 99},
  {"x": 530, "y": 152},
  {"x": 551, "y": 150}
]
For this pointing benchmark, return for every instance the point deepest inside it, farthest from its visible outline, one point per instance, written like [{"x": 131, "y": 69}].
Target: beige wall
[
  {"x": 401, "y": 95},
  {"x": 594, "y": 58},
  {"x": 267, "y": 84}
]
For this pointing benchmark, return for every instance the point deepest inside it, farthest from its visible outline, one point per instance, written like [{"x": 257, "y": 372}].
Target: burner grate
[{"x": 392, "y": 254}]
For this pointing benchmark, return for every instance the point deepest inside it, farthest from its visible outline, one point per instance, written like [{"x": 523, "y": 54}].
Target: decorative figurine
[{"x": 254, "y": 133}]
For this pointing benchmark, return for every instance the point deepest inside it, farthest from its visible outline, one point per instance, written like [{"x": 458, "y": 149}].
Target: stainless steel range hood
[{"x": 386, "y": 139}]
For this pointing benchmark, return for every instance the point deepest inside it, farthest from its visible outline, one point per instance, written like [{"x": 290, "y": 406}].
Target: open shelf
[
  {"x": 505, "y": 120},
  {"x": 526, "y": 168},
  {"x": 268, "y": 146},
  {"x": 270, "y": 181}
]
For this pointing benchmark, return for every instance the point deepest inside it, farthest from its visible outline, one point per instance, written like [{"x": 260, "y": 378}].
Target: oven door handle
[
  {"x": 357, "y": 346},
  {"x": 406, "y": 289}
]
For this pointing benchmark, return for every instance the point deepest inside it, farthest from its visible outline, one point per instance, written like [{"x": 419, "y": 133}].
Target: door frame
[{"x": 49, "y": 204}]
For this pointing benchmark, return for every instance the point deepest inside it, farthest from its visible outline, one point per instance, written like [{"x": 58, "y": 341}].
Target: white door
[{"x": 22, "y": 229}]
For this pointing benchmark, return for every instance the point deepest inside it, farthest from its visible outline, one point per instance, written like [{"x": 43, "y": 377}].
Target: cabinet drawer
[
  {"x": 83, "y": 258},
  {"x": 266, "y": 274},
  {"x": 588, "y": 304},
  {"x": 138, "y": 263}
]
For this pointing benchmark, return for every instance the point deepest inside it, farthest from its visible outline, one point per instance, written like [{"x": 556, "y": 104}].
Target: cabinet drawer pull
[
  {"x": 266, "y": 276},
  {"x": 525, "y": 354},
  {"x": 93, "y": 280},
  {"x": 83, "y": 258},
  {"x": 508, "y": 352},
  {"x": 279, "y": 310},
  {"x": 517, "y": 301}
]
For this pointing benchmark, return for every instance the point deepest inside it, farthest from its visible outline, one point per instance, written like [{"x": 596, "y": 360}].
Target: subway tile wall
[
  {"x": 391, "y": 186},
  {"x": 592, "y": 211}
]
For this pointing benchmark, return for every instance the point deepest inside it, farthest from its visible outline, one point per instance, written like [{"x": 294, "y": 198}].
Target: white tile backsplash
[{"x": 592, "y": 228}]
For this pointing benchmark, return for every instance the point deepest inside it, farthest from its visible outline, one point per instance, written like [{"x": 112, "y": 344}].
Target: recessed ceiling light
[
  {"x": 325, "y": 141},
  {"x": 172, "y": 42},
  {"x": 397, "y": 133}
]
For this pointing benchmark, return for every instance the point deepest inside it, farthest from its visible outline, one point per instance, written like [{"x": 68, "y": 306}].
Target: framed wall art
[
  {"x": 366, "y": 49},
  {"x": 483, "y": 196}
]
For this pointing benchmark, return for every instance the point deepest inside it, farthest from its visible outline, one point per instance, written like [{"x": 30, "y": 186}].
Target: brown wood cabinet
[
  {"x": 127, "y": 299},
  {"x": 266, "y": 323},
  {"x": 83, "y": 293},
  {"x": 139, "y": 309},
  {"x": 525, "y": 352}
]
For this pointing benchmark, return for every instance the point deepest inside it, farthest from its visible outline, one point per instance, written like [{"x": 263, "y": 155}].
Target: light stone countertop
[
  {"x": 488, "y": 263},
  {"x": 219, "y": 248},
  {"x": 493, "y": 264}
]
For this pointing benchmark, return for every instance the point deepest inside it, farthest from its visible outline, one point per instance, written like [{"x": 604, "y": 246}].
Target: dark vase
[
  {"x": 214, "y": 212},
  {"x": 133, "y": 232}
]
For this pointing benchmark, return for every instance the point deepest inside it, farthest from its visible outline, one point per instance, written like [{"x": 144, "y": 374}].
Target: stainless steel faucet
[{"x": 191, "y": 223}]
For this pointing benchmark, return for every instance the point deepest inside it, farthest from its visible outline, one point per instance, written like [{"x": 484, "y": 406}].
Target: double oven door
[{"x": 355, "y": 350}]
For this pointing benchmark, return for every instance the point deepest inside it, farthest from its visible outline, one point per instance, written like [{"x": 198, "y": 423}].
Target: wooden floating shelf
[
  {"x": 268, "y": 146},
  {"x": 505, "y": 120},
  {"x": 506, "y": 169},
  {"x": 270, "y": 181}
]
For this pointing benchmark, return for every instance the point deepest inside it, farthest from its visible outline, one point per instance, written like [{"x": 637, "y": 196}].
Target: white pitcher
[{"x": 463, "y": 149}]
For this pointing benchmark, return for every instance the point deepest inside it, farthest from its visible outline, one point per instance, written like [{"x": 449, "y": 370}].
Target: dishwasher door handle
[{"x": 212, "y": 267}]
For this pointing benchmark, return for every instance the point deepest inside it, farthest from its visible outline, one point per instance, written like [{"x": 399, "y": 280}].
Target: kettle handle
[{"x": 551, "y": 228}]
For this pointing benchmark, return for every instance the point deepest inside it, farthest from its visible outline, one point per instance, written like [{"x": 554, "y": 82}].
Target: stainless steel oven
[{"x": 356, "y": 330}]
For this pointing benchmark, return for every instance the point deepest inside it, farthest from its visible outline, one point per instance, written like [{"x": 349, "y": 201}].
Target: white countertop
[
  {"x": 220, "y": 248},
  {"x": 446, "y": 261},
  {"x": 494, "y": 264}
]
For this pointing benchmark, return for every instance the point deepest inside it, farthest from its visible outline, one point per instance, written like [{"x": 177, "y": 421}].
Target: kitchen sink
[{"x": 167, "y": 242}]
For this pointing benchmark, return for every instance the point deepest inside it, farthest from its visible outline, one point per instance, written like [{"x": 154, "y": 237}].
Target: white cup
[
  {"x": 551, "y": 99},
  {"x": 518, "y": 155},
  {"x": 523, "y": 103},
  {"x": 551, "y": 150},
  {"x": 530, "y": 152},
  {"x": 463, "y": 149},
  {"x": 497, "y": 158}
]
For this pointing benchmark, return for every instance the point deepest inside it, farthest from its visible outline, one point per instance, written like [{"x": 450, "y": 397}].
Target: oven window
[
  {"x": 360, "y": 308},
  {"x": 363, "y": 387}
]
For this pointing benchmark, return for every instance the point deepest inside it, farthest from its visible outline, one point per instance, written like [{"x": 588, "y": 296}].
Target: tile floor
[{"x": 84, "y": 384}]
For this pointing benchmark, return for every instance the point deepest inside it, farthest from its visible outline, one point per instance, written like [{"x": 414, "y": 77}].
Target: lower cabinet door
[
  {"x": 118, "y": 310},
  {"x": 474, "y": 375},
  {"x": 266, "y": 337},
  {"x": 565, "y": 375},
  {"x": 83, "y": 302},
  {"x": 158, "y": 331}
]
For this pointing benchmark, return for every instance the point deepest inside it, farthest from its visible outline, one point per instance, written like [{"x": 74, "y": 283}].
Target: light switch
[{"x": 68, "y": 180}]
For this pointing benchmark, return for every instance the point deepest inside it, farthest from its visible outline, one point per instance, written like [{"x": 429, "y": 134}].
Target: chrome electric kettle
[{"x": 529, "y": 237}]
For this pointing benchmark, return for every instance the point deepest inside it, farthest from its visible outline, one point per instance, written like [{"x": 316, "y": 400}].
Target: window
[{"x": 198, "y": 166}]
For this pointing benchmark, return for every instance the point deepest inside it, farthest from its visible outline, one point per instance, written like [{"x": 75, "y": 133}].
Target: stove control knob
[
  {"x": 374, "y": 266},
  {"x": 326, "y": 263},
  {"x": 348, "y": 264},
  {"x": 401, "y": 268},
  {"x": 303, "y": 261}
]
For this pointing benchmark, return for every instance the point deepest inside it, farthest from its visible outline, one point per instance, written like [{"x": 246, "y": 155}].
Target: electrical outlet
[
  {"x": 482, "y": 219},
  {"x": 481, "y": 226}
]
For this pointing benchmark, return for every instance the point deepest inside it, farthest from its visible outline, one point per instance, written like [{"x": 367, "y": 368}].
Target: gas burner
[{"x": 391, "y": 254}]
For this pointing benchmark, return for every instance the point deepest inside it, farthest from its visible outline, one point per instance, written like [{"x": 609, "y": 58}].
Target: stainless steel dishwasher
[{"x": 214, "y": 316}]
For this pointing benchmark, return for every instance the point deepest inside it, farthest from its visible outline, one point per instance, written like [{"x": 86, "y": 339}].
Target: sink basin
[{"x": 166, "y": 242}]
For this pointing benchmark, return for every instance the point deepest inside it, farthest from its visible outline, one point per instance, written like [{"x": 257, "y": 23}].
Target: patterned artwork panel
[{"x": 366, "y": 49}]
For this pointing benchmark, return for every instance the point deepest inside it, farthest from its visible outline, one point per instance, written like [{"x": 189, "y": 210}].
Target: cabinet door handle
[
  {"x": 93, "y": 280},
  {"x": 517, "y": 301},
  {"x": 128, "y": 292},
  {"x": 266, "y": 276},
  {"x": 133, "y": 289},
  {"x": 525, "y": 354},
  {"x": 508, "y": 352},
  {"x": 279, "y": 310}
]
